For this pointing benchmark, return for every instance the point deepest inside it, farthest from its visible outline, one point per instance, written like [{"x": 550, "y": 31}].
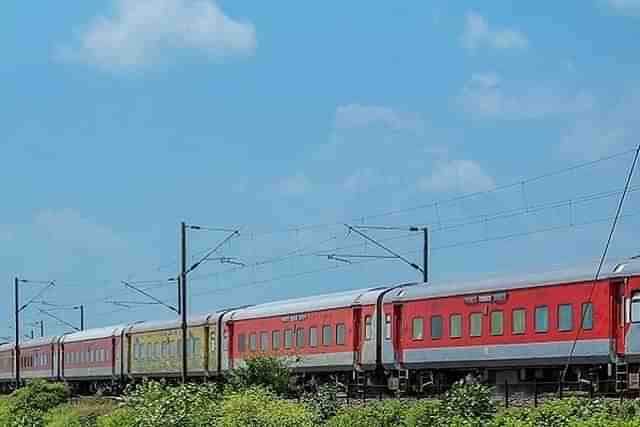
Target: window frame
[
  {"x": 635, "y": 299},
  {"x": 275, "y": 339},
  {"x": 300, "y": 337},
  {"x": 414, "y": 336},
  {"x": 535, "y": 319},
  {"x": 491, "y": 323},
  {"x": 524, "y": 321},
  {"x": 242, "y": 343},
  {"x": 264, "y": 341},
  {"x": 341, "y": 339},
  {"x": 288, "y": 339},
  {"x": 433, "y": 318},
  {"x": 326, "y": 328},
  {"x": 368, "y": 322},
  {"x": 472, "y": 316},
  {"x": 560, "y": 328},
  {"x": 387, "y": 326},
  {"x": 313, "y": 336},
  {"x": 582, "y": 317},
  {"x": 460, "y": 318}
]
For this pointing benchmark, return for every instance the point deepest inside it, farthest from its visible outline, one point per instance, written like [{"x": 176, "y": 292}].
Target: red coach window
[
  {"x": 242, "y": 343},
  {"x": 542, "y": 318},
  {"x": 475, "y": 324},
  {"x": 387, "y": 326},
  {"x": 327, "y": 334},
  {"x": 264, "y": 341},
  {"x": 275, "y": 340},
  {"x": 340, "y": 334},
  {"x": 497, "y": 323},
  {"x": 587, "y": 316},
  {"x": 367, "y": 328},
  {"x": 518, "y": 321},
  {"x": 300, "y": 338},
  {"x": 288, "y": 339},
  {"x": 455, "y": 325},
  {"x": 565, "y": 317},
  {"x": 313, "y": 336},
  {"x": 417, "y": 328}
]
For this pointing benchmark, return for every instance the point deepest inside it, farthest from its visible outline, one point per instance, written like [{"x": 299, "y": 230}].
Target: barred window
[
  {"x": 565, "y": 317},
  {"x": 313, "y": 336},
  {"x": 275, "y": 340},
  {"x": 367, "y": 328},
  {"x": 518, "y": 321},
  {"x": 340, "y": 334},
  {"x": 475, "y": 324},
  {"x": 455, "y": 325},
  {"x": 327, "y": 334},
  {"x": 417, "y": 328}
]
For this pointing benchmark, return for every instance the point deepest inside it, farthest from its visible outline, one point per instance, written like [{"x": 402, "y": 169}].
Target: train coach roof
[
  {"x": 197, "y": 320},
  {"x": 39, "y": 342},
  {"x": 307, "y": 304},
  {"x": 93, "y": 334},
  {"x": 548, "y": 278},
  {"x": 6, "y": 347}
]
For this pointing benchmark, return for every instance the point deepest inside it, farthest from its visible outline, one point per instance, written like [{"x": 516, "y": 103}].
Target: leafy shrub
[
  {"x": 62, "y": 416},
  {"x": 324, "y": 403},
  {"x": 27, "y": 406},
  {"x": 468, "y": 401},
  {"x": 424, "y": 413},
  {"x": 387, "y": 413},
  {"x": 155, "y": 404},
  {"x": 121, "y": 417},
  {"x": 259, "y": 370},
  {"x": 260, "y": 407}
]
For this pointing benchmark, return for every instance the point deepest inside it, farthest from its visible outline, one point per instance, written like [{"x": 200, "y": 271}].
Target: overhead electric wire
[{"x": 602, "y": 258}]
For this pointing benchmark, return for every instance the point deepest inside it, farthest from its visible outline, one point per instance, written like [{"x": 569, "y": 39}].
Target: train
[{"x": 405, "y": 336}]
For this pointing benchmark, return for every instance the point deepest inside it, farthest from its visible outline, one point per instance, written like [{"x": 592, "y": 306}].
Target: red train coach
[
  {"x": 517, "y": 328},
  {"x": 321, "y": 333},
  {"x": 7, "y": 367},
  {"x": 39, "y": 358}
]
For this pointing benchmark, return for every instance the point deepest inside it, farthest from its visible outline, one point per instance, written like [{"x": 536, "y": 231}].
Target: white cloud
[
  {"x": 139, "y": 33},
  {"x": 68, "y": 226},
  {"x": 625, "y": 6},
  {"x": 359, "y": 115},
  {"x": 485, "y": 96},
  {"x": 295, "y": 185},
  {"x": 464, "y": 175},
  {"x": 478, "y": 34}
]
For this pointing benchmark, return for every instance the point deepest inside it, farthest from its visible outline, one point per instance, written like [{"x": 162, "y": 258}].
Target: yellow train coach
[{"x": 154, "y": 349}]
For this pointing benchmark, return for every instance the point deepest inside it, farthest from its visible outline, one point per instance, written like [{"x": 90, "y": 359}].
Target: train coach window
[
  {"x": 455, "y": 325},
  {"x": 635, "y": 307},
  {"x": 264, "y": 341},
  {"x": 340, "y": 334},
  {"x": 518, "y": 321},
  {"x": 587, "y": 316},
  {"x": 253, "y": 342},
  {"x": 367, "y": 328},
  {"x": 275, "y": 340},
  {"x": 565, "y": 317},
  {"x": 542, "y": 318},
  {"x": 497, "y": 323},
  {"x": 242, "y": 343},
  {"x": 417, "y": 328},
  {"x": 327, "y": 333},
  {"x": 436, "y": 327},
  {"x": 475, "y": 324},
  {"x": 300, "y": 338},
  {"x": 387, "y": 326},
  {"x": 313, "y": 336},
  {"x": 288, "y": 339}
]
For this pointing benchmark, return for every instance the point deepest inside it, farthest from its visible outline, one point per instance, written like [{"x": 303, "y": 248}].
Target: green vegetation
[{"x": 256, "y": 398}]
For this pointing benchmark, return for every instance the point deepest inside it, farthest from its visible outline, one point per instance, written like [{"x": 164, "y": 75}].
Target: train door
[
  {"x": 357, "y": 335},
  {"x": 228, "y": 331},
  {"x": 397, "y": 332},
  {"x": 618, "y": 320}
]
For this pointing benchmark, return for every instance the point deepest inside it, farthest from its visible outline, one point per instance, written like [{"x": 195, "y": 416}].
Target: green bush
[
  {"x": 324, "y": 403},
  {"x": 156, "y": 404},
  {"x": 468, "y": 402},
  {"x": 121, "y": 417},
  {"x": 27, "y": 406},
  {"x": 424, "y": 413},
  {"x": 62, "y": 416},
  {"x": 388, "y": 413},
  {"x": 260, "y": 407},
  {"x": 259, "y": 370}
]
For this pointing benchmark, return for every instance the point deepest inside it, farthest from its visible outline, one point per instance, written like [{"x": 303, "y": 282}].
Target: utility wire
[{"x": 602, "y": 258}]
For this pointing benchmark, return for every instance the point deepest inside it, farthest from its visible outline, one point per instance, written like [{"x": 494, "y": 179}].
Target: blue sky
[{"x": 120, "y": 118}]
